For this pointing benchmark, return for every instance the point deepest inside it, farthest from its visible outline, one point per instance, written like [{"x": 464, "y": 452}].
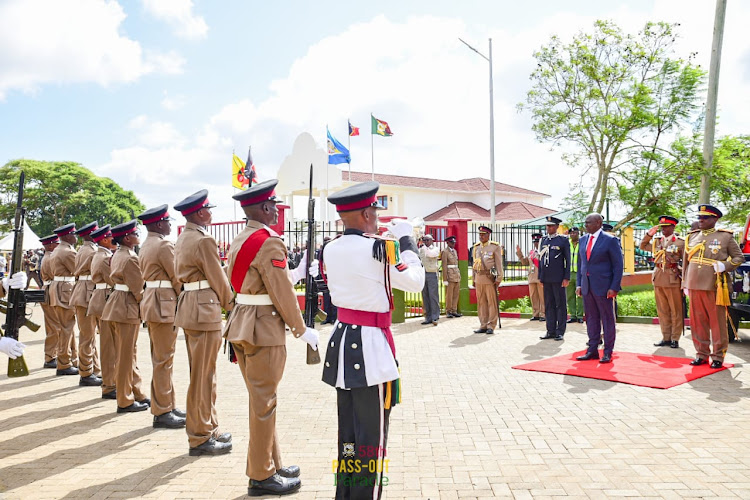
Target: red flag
[{"x": 353, "y": 131}]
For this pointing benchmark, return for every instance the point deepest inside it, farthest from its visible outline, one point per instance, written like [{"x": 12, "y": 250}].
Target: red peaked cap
[{"x": 356, "y": 197}]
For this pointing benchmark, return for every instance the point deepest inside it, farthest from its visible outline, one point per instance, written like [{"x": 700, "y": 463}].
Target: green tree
[
  {"x": 58, "y": 193},
  {"x": 615, "y": 101},
  {"x": 730, "y": 177}
]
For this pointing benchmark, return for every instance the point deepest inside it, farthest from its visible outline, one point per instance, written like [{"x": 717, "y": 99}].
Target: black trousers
[
  {"x": 362, "y": 466},
  {"x": 555, "y": 308}
]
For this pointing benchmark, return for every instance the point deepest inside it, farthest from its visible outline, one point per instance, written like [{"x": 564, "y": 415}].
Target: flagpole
[
  {"x": 372, "y": 147},
  {"x": 349, "y": 143},
  {"x": 234, "y": 202}
]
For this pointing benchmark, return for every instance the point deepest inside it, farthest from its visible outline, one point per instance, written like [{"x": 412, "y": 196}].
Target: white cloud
[
  {"x": 172, "y": 103},
  {"x": 179, "y": 15}
]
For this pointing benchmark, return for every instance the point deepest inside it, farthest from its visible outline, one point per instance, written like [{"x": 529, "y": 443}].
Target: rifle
[
  {"x": 311, "y": 293},
  {"x": 27, "y": 322}
]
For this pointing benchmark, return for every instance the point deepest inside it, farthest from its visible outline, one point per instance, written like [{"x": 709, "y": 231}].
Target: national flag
[
  {"x": 379, "y": 127},
  {"x": 243, "y": 176},
  {"x": 353, "y": 131},
  {"x": 337, "y": 153}
]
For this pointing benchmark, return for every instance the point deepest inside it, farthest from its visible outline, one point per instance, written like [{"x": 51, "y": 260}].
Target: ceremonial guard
[
  {"x": 361, "y": 269},
  {"x": 451, "y": 277},
  {"x": 88, "y": 363},
  {"x": 103, "y": 286},
  {"x": 265, "y": 302},
  {"x": 710, "y": 254},
  {"x": 575, "y": 303},
  {"x": 429, "y": 254},
  {"x": 205, "y": 291},
  {"x": 158, "y": 308},
  {"x": 667, "y": 251},
  {"x": 60, "y": 290},
  {"x": 51, "y": 323},
  {"x": 554, "y": 273},
  {"x": 536, "y": 288},
  {"x": 487, "y": 272}
]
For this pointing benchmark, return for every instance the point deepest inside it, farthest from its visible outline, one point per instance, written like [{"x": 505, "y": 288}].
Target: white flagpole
[
  {"x": 372, "y": 147},
  {"x": 349, "y": 143}
]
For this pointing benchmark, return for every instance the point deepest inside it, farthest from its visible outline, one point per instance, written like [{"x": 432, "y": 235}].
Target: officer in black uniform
[{"x": 554, "y": 272}]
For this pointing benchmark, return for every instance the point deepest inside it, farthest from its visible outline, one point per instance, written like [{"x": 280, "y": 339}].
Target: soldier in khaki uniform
[
  {"x": 103, "y": 286},
  {"x": 205, "y": 291},
  {"x": 51, "y": 323},
  {"x": 265, "y": 302},
  {"x": 709, "y": 254},
  {"x": 451, "y": 277},
  {"x": 158, "y": 308},
  {"x": 122, "y": 311},
  {"x": 536, "y": 287},
  {"x": 88, "y": 364},
  {"x": 667, "y": 251},
  {"x": 60, "y": 290},
  {"x": 487, "y": 271}
]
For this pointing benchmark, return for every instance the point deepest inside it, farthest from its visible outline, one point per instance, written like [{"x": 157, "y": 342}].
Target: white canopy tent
[{"x": 30, "y": 240}]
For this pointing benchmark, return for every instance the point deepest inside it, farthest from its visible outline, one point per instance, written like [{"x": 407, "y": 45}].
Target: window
[{"x": 383, "y": 200}]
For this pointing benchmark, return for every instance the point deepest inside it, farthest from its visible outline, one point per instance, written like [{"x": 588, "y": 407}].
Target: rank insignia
[{"x": 349, "y": 450}]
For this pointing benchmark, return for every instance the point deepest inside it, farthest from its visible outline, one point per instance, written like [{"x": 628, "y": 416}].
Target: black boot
[
  {"x": 274, "y": 485},
  {"x": 168, "y": 421},
  {"x": 211, "y": 447}
]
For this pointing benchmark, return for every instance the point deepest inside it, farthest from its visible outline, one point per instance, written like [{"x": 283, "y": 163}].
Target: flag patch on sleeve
[
  {"x": 401, "y": 267},
  {"x": 279, "y": 263}
]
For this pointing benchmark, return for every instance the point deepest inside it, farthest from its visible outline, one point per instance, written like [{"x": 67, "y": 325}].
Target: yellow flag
[{"x": 240, "y": 179}]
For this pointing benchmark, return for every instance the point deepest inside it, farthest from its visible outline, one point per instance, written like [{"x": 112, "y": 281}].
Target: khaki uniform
[
  {"x": 199, "y": 315},
  {"x": 487, "y": 257},
  {"x": 708, "y": 321},
  {"x": 51, "y": 323},
  {"x": 79, "y": 299},
  {"x": 258, "y": 336},
  {"x": 667, "y": 281},
  {"x": 63, "y": 267},
  {"x": 158, "y": 309},
  {"x": 451, "y": 274},
  {"x": 536, "y": 287},
  {"x": 100, "y": 276},
  {"x": 122, "y": 311}
]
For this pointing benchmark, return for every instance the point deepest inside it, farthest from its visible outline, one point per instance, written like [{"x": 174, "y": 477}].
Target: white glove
[
  {"x": 311, "y": 337},
  {"x": 719, "y": 267},
  {"x": 11, "y": 347},
  {"x": 400, "y": 228},
  {"x": 18, "y": 281},
  {"x": 685, "y": 291},
  {"x": 314, "y": 268},
  {"x": 445, "y": 283}
]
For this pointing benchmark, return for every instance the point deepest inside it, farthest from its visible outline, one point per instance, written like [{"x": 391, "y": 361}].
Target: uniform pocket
[
  {"x": 209, "y": 309},
  {"x": 167, "y": 302},
  {"x": 64, "y": 291},
  {"x": 132, "y": 311}
]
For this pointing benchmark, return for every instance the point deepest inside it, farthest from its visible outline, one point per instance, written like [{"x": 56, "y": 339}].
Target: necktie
[{"x": 588, "y": 247}]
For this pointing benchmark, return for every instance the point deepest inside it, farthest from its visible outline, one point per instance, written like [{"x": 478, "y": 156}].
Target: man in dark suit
[{"x": 600, "y": 268}]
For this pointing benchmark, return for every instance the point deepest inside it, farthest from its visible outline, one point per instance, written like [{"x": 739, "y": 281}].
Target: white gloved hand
[
  {"x": 298, "y": 273},
  {"x": 311, "y": 337},
  {"x": 719, "y": 267},
  {"x": 445, "y": 283},
  {"x": 11, "y": 347},
  {"x": 400, "y": 228},
  {"x": 685, "y": 291},
  {"x": 314, "y": 268},
  {"x": 18, "y": 281}
]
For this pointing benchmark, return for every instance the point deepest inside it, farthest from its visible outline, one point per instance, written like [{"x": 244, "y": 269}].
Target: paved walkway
[{"x": 469, "y": 426}]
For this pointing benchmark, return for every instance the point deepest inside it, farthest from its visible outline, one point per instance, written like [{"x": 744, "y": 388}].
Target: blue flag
[{"x": 337, "y": 153}]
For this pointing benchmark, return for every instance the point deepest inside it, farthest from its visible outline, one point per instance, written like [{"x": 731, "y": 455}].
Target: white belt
[
  {"x": 253, "y": 300},
  {"x": 69, "y": 279},
  {"x": 451, "y": 266},
  {"x": 86, "y": 277},
  {"x": 159, "y": 284},
  {"x": 122, "y": 288},
  {"x": 102, "y": 286},
  {"x": 196, "y": 285}
]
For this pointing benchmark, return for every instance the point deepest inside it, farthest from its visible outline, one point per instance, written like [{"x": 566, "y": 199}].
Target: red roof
[
  {"x": 473, "y": 185},
  {"x": 506, "y": 211}
]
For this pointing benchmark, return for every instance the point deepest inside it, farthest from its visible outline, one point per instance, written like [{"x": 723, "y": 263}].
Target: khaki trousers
[
  {"x": 708, "y": 323},
  {"x": 128, "y": 377},
  {"x": 163, "y": 340},
  {"x": 536, "y": 295},
  {"x": 88, "y": 361},
  {"x": 66, "y": 346},
  {"x": 487, "y": 305},
  {"x": 669, "y": 309},
  {"x": 52, "y": 332},
  {"x": 451, "y": 297},
  {"x": 108, "y": 349},
  {"x": 202, "y": 422},
  {"x": 262, "y": 368}
]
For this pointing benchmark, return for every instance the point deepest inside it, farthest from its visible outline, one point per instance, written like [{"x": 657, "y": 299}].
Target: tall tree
[
  {"x": 614, "y": 101},
  {"x": 58, "y": 193}
]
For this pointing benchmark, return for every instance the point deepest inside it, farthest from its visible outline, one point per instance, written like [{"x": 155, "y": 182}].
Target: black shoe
[
  {"x": 489, "y": 331},
  {"x": 457, "y": 315},
  {"x": 607, "y": 358},
  {"x": 91, "y": 380},
  {"x": 225, "y": 437},
  {"x": 145, "y": 401},
  {"x": 548, "y": 336},
  {"x": 674, "y": 344},
  {"x": 168, "y": 421},
  {"x": 50, "y": 364},
  {"x": 136, "y": 406},
  {"x": 211, "y": 447},
  {"x": 425, "y": 322},
  {"x": 533, "y": 318},
  {"x": 663, "y": 343},
  {"x": 572, "y": 320},
  {"x": 698, "y": 362},
  {"x": 580, "y": 320},
  {"x": 179, "y": 413},
  {"x": 588, "y": 356},
  {"x": 110, "y": 395},
  {"x": 449, "y": 315},
  {"x": 274, "y": 485},
  {"x": 481, "y": 330},
  {"x": 558, "y": 337},
  {"x": 71, "y": 370},
  {"x": 289, "y": 471},
  {"x": 716, "y": 364},
  {"x": 542, "y": 319}
]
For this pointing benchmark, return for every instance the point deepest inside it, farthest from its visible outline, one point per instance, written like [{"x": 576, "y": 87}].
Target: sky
[{"x": 157, "y": 94}]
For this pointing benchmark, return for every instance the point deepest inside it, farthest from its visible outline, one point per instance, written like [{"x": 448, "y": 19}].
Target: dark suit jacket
[
  {"x": 555, "y": 266},
  {"x": 604, "y": 270}
]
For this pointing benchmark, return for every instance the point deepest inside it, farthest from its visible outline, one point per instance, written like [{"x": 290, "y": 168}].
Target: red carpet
[{"x": 659, "y": 372}]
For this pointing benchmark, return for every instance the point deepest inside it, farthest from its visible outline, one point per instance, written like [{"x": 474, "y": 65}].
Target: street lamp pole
[{"x": 492, "y": 131}]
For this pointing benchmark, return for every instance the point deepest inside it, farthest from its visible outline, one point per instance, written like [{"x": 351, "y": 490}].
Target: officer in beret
[
  {"x": 122, "y": 310},
  {"x": 667, "y": 250},
  {"x": 487, "y": 272},
  {"x": 361, "y": 270},
  {"x": 554, "y": 273},
  {"x": 158, "y": 308},
  {"x": 710, "y": 254},
  {"x": 205, "y": 291},
  {"x": 536, "y": 287},
  {"x": 60, "y": 290},
  {"x": 51, "y": 323},
  {"x": 265, "y": 302},
  {"x": 575, "y": 303},
  {"x": 451, "y": 277}
]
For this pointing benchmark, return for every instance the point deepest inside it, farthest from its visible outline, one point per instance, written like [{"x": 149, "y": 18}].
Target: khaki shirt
[
  {"x": 529, "y": 261},
  {"x": 63, "y": 264},
  {"x": 45, "y": 272},
  {"x": 157, "y": 264},
  {"x": 100, "y": 273},
  {"x": 122, "y": 306},
  {"x": 429, "y": 257},
  {"x": 264, "y": 325},
  {"x": 702, "y": 250},
  {"x": 196, "y": 258},
  {"x": 83, "y": 288},
  {"x": 449, "y": 259},
  {"x": 668, "y": 253},
  {"x": 486, "y": 257}
]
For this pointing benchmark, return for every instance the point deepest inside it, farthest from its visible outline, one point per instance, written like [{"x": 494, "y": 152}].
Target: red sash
[{"x": 246, "y": 255}]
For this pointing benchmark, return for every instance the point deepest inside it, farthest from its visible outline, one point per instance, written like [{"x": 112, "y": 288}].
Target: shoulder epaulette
[
  {"x": 726, "y": 231},
  {"x": 694, "y": 231},
  {"x": 495, "y": 242},
  {"x": 477, "y": 243}
]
